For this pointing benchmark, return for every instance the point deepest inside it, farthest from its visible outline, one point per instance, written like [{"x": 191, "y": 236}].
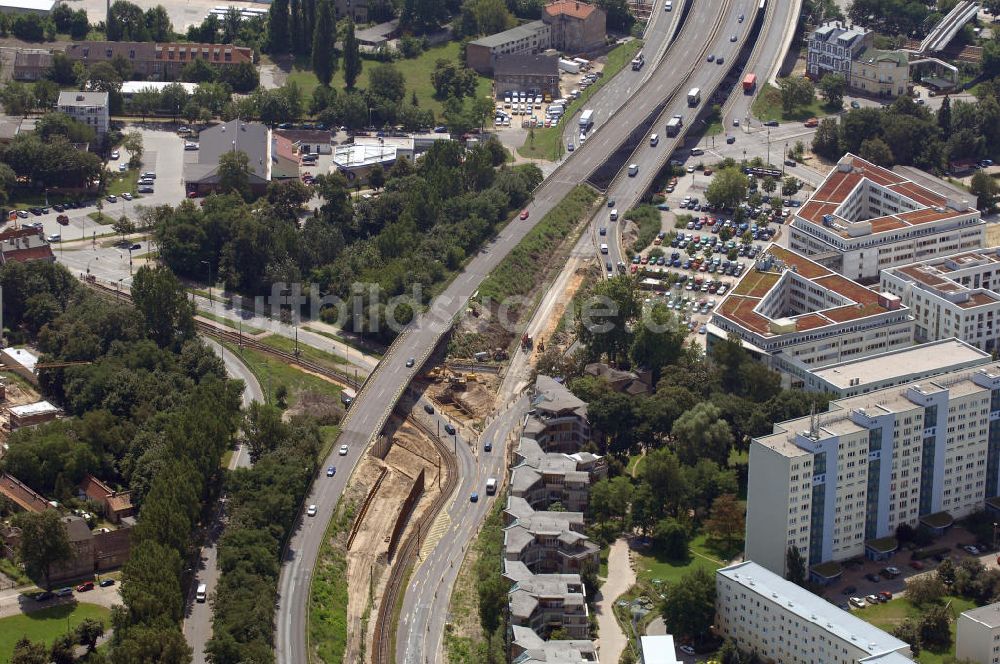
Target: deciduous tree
[{"x": 44, "y": 542}]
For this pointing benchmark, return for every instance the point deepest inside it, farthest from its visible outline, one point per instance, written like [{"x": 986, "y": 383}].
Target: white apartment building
[
  {"x": 90, "y": 108},
  {"x": 832, "y": 46},
  {"x": 865, "y": 218},
  {"x": 953, "y": 296},
  {"x": 782, "y": 622},
  {"x": 558, "y": 418},
  {"x": 833, "y": 483},
  {"x": 796, "y": 315},
  {"x": 978, "y": 637}
]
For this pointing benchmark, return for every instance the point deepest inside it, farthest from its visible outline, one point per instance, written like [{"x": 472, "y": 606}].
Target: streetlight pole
[
  {"x": 768, "y": 147},
  {"x": 209, "y": 264}
]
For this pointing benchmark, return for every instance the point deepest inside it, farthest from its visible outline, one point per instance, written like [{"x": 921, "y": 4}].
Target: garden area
[{"x": 47, "y": 625}]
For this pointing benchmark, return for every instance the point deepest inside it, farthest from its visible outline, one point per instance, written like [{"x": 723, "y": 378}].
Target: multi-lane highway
[{"x": 425, "y": 603}]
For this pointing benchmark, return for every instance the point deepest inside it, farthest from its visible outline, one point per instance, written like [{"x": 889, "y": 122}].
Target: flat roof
[
  {"x": 78, "y": 98},
  {"x": 356, "y": 156},
  {"x": 525, "y": 31},
  {"x": 847, "y": 301},
  {"x": 658, "y": 649},
  {"x": 940, "y": 276},
  {"x": 925, "y": 359},
  {"x": 812, "y": 608},
  {"x": 988, "y": 615},
  {"x": 131, "y": 87},
  {"x": 29, "y": 5},
  {"x": 918, "y": 202},
  {"x": 22, "y": 356},
  {"x": 37, "y": 408}
]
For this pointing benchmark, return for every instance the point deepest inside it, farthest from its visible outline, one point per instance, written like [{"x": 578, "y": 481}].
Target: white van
[
  {"x": 491, "y": 486},
  {"x": 633, "y": 170},
  {"x": 614, "y": 215},
  {"x": 201, "y": 594},
  {"x": 668, "y": 6},
  {"x": 653, "y": 140},
  {"x": 604, "y": 248}
]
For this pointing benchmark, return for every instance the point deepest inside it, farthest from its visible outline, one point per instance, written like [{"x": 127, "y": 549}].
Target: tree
[
  {"x": 688, "y": 607},
  {"x": 234, "y": 173},
  {"x": 376, "y": 178},
  {"x": 790, "y": 186},
  {"x": 173, "y": 98},
  {"x": 388, "y": 82},
  {"x": 671, "y": 539},
  {"x": 88, "y": 632},
  {"x": 727, "y": 188},
  {"x": 985, "y": 189},
  {"x": 166, "y": 311},
  {"x": 925, "y": 589},
  {"x": 352, "y": 56},
  {"x": 826, "y": 140},
  {"x": 123, "y": 226},
  {"x": 324, "y": 56},
  {"x": 133, "y": 145},
  {"x": 263, "y": 430},
  {"x": 726, "y": 521},
  {"x": 833, "y": 87},
  {"x": 29, "y": 652},
  {"x": 44, "y": 542},
  {"x": 158, "y": 26},
  {"x": 795, "y": 92},
  {"x": 946, "y": 571},
  {"x": 658, "y": 340},
  {"x": 935, "y": 628},
  {"x": 277, "y": 28},
  {"x": 126, "y": 22},
  {"x": 795, "y": 566},
  {"x": 701, "y": 433},
  {"x": 877, "y": 151},
  {"x": 944, "y": 117}
]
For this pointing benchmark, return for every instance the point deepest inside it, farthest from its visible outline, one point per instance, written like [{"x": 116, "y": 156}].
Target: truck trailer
[
  {"x": 674, "y": 125},
  {"x": 586, "y": 119},
  {"x": 694, "y": 96},
  {"x": 749, "y": 83}
]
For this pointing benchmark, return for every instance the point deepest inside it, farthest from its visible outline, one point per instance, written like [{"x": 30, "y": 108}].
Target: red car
[
  {"x": 916, "y": 564},
  {"x": 84, "y": 587},
  {"x": 884, "y": 595},
  {"x": 524, "y": 214}
]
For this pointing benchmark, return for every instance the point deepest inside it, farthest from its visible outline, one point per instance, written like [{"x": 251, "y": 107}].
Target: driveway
[
  {"x": 13, "y": 602},
  {"x": 621, "y": 577}
]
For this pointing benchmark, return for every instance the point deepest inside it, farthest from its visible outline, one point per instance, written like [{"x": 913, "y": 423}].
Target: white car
[
  {"x": 857, "y": 602},
  {"x": 343, "y": 450},
  {"x": 127, "y": 196},
  {"x": 311, "y": 511},
  {"x": 687, "y": 650},
  {"x": 115, "y": 155}
]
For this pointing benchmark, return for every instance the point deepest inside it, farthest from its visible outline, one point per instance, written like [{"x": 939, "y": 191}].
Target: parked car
[
  {"x": 429, "y": 409},
  {"x": 916, "y": 564},
  {"x": 872, "y": 599},
  {"x": 874, "y": 578},
  {"x": 62, "y": 220},
  {"x": 891, "y": 572},
  {"x": 64, "y": 592},
  {"x": 857, "y": 602},
  {"x": 687, "y": 650},
  {"x": 85, "y": 586},
  {"x": 105, "y": 583},
  {"x": 884, "y": 595}
]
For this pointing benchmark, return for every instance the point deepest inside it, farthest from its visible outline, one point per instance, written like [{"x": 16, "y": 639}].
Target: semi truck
[
  {"x": 586, "y": 119},
  {"x": 694, "y": 97},
  {"x": 674, "y": 125},
  {"x": 749, "y": 83}
]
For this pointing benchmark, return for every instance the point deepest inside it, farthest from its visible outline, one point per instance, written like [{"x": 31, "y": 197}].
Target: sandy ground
[
  {"x": 621, "y": 577},
  {"x": 366, "y": 560}
]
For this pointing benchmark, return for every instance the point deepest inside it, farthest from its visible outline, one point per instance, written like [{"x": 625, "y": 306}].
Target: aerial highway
[
  {"x": 428, "y": 593},
  {"x": 385, "y": 385}
]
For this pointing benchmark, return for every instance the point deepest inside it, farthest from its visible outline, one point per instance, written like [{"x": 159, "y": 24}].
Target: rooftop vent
[{"x": 79, "y": 97}]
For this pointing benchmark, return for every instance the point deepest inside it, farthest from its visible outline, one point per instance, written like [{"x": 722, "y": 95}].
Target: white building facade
[
  {"x": 978, "y": 635},
  {"x": 90, "y": 108},
  {"x": 830, "y": 484}
]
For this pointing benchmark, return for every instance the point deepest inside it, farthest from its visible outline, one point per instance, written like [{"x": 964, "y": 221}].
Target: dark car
[
  {"x": 106, "y": 583},
  {"x": 771, "y": 123},
  {"x": 331, "y": 471},
  {"x": 488, "y": 447},
  {"x": 450, "y": 429},
  {"x": 874, "y": 578},
  {"x": 135, "y": 247},
  {"x": 474, "y": 497},
  {"x": 429, "y": 409},
  {"x": 849, "y": 590},
  {"x": 44, "y": 596}
]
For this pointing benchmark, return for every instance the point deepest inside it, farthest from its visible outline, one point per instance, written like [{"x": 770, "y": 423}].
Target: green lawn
[
  {"x": 119, "y": 183},
  {"x": 325, "y": 358},
  {"x": 347, "y": 341},
  {"x": 767, "y": 106},
  {"x": 416, "y": 71},
  {"x": 247, "y": 329},
  {"x": 46, "y": 625},
  {"x": 650, "y": 568},
  {"x": 547, "y": 143},
  {"x": 887, "y": 616},
  {"x": 272, "y": 372}
]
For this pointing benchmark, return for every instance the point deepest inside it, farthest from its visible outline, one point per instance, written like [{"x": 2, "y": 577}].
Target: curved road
[{"x": 198, "y": 617}]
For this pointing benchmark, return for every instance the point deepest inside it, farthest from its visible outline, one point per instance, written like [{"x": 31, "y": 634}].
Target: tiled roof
[{"x": 580, "y": 10}]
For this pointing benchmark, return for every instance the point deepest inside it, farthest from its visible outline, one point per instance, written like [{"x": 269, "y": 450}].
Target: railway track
[
  {"x": 385, "y": 626},
  {"x": 244, "y": 341}
]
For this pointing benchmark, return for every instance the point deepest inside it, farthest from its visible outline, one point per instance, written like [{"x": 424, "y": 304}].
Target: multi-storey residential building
[
  {"x": 90, "y": 108},
  {"x": 547, "y": 542},
  {"x": 543, "y": 478},
  {"x": 905, "y": 365},
  {"x": 533, "y": 37},
  {"x": 880, "y": 73},
  {"x": 978, "y": 637},
  {"x": 833, "y": 485},
  {"x": 526, "y": 71},
  {"x": 832, "y": 47},
  {"x": 158, "y": 61},
  {"x": 558, "y": 418},
  {"x": 865, "y": 218},
  {"x": 796, "y": 315},
  {"x": 545, "y": 602},
  {"x": 526, "y": 647},
  {"x": 953, "y": 296},
  {"x": 782, "y": 622}
]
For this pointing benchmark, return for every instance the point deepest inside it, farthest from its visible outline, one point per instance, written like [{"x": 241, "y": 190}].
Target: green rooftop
[
  {"x": 883, "y": 545},
  {"x": 937, "y": 520},
  {"x": 828, "y": 570}
]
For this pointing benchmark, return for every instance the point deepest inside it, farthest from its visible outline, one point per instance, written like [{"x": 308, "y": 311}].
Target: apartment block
[
  {"x": 796, "y": 315},
  {"x": 547, "y": 542},
  {"x": 90, "y": 108},
  {"x": 978, "y": 637},
  {"x": 954, "y": 296},
  {"x": 533, "y": 37},
  {"x": 782, "y": 622},
  {"x": 159, "y": 61},
  {"x": 546, "y": 602},
  {"x": 832, "y": 46},
  {"x": 558, "y": 418},
  {"x": 833, "y": 484},
  {"x": 865, "y": 218},
  {"x": 881, "y": 73},
  {"x": 526, "y": 647},
  {"x": 543, "y": 479}
]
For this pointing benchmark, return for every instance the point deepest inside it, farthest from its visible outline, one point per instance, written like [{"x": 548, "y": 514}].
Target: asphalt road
[
  {"x": 198, "y": 616},
  {"x": 425, "y": 603}
]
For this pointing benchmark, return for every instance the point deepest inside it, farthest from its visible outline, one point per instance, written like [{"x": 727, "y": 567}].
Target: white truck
[
  {"x": 586, "y": 119},
  {"x": 694, "y": 96},
  {"x": 674, "y": 125}
]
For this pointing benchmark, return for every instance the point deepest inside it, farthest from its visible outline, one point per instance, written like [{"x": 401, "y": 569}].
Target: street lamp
[{"x": 209, "y": 264}]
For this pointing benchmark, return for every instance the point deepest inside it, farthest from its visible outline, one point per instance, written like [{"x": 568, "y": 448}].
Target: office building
[
  {"x": 978, "y": 635},
  {"x": 270, "y": 156},
  {"x": 481, "y": 54},
  {"x": 796, "y": 315},
  {"x": 865, "y": 218},
  {"x": 953, "y": 296},
  {"x": 895, "y": 367},
  {"x": 782, "y": 622},
  {"x": 835, "y": 485},
  {"x": 89, "y": 108}
]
